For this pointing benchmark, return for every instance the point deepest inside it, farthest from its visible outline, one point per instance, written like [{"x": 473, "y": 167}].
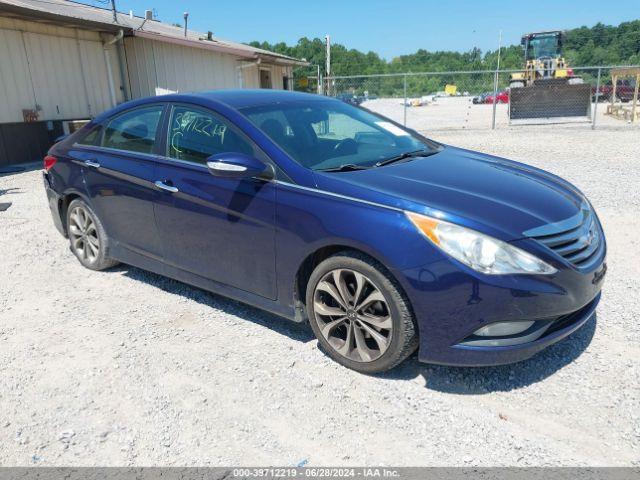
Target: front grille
[{"x": 576, "y": 239}]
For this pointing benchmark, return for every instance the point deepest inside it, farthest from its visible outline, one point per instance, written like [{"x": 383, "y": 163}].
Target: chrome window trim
[
  {"x": 150, "y": 156},
  {"x": 184, "y": 162},
  {"x": 110, "y": 149},
  {"x": 277, "y": 182},
  {"x": 114, "y": 150}
]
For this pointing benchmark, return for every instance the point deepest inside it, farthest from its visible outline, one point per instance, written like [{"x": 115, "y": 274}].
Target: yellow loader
[{"x": 547, "y": 88}]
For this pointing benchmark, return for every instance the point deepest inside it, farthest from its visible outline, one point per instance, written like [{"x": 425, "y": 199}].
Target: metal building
[{"x": 63, "y": 61}]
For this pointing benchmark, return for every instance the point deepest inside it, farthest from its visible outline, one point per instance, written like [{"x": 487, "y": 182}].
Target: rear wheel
[
  {"x": 89, "y": 242},
  {"x": 359, "y": 314}
]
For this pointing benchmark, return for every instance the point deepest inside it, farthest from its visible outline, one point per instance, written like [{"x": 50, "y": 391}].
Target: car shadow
[
  {"x": 454, "y": 380},
  {"x": 296, "y": 331},
  {"x": 503, "y": 378}
]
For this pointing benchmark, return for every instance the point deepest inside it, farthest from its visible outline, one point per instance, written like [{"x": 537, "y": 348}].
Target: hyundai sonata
[{"x": 320, "y": 211}]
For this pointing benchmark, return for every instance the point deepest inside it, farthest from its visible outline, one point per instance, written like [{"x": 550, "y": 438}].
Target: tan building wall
[
  {"x": 63, "y": 73},
  {"x": 156, "y": 67},
  {"x": 60, "y": 72},
  {"x": 72, "y": 73}
]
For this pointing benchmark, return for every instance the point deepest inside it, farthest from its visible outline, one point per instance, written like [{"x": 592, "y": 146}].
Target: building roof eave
[
  {"x": 204, "y": 44},
  {"x": 78, "y": 15}
]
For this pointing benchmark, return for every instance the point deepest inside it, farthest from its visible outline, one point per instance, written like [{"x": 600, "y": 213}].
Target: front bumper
[
  {"x": 464, "y": 355},
  {"x": 451, "y": 302}
]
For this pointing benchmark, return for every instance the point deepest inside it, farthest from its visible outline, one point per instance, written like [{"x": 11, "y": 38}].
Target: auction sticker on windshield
[{"x": 390, "y": 127}]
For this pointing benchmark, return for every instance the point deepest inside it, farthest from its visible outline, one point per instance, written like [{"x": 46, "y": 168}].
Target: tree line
[{"x": 584, "y": 46}]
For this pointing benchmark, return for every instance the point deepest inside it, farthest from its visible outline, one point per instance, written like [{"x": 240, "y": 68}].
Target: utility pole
[
  {"x": 115, "y": 12},
  {"x": 328, "y": 64}
]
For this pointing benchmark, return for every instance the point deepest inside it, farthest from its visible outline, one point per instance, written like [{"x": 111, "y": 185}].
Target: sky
[{"x": 389, "y": 28}]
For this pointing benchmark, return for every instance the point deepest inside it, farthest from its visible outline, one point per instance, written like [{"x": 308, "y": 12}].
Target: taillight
[{"x": 49, "y": 162}]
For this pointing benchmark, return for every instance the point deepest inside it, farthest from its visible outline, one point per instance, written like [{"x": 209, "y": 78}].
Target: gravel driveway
[{"x": 128, "y": 368}]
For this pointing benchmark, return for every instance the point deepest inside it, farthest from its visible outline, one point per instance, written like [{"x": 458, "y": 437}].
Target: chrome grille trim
[
  {"x": 576, "y": 239},
  {"x": 565, "y": 225}
]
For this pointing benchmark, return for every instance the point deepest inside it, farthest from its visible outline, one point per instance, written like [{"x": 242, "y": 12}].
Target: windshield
[
  {"x": 543, "y": 46},
  {"x": 324, "y": 134}
]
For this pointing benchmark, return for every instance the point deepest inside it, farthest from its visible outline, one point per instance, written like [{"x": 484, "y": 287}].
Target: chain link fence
[{"x": 484, "y": 99}]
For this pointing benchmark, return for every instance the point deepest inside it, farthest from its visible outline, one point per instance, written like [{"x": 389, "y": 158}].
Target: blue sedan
[{"x": 319, "y": 211}]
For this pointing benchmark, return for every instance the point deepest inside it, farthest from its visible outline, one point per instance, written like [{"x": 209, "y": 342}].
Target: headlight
[{"x": 478, "y": 251}]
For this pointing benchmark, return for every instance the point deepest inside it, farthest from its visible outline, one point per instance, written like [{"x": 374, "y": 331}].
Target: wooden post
[{"x": 622, "y": 111}]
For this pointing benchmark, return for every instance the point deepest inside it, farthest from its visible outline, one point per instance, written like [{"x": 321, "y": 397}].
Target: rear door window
[
  {"x": 92, "y": 137},
  {"x": 134, "y": 131}
]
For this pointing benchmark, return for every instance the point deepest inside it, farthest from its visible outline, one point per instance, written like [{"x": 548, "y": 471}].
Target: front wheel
[
  {"x": 89, "y": 241},
  {"x": 359, "y": 314}
]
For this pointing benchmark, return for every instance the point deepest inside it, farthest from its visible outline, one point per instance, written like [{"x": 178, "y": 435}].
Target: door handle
[
  {"x": 92, "y": 163},
  {"x": 163, "y": 186}
]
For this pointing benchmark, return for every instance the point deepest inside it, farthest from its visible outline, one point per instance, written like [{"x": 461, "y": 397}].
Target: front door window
[{"x": 195, "y": 135}]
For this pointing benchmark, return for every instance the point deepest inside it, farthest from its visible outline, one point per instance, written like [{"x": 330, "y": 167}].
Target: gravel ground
[{"x": 128, "y": 368}]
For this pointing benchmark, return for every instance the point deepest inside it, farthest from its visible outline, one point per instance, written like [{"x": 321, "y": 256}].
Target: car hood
[{"x": 491, "y": 194}]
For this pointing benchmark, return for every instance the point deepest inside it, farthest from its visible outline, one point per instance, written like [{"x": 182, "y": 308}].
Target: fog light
[{"x": 503, "y": 329}]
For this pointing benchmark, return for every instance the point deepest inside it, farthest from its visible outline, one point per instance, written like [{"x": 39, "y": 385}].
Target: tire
[
  {"x": 87, "y": 239},
  {"x": 377, "y": 330}
]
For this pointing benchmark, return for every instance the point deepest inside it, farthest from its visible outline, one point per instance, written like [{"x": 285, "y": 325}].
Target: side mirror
[{"x": 238, "y": 165}]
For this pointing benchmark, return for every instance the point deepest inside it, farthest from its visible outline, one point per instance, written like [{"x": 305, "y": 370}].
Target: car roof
[
  {"x": 235, "y": 99},
  {"x": 243, "y": 98}
]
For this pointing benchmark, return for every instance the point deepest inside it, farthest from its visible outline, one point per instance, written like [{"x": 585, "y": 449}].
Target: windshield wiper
[
  {"x": 404, "y": 156},
  {"x": 347, "y": 167}
]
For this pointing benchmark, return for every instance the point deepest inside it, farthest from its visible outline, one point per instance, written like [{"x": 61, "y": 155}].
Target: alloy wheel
[
  {"x": 84, "y": 235},
  {"x": 352, "y": 315}
]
